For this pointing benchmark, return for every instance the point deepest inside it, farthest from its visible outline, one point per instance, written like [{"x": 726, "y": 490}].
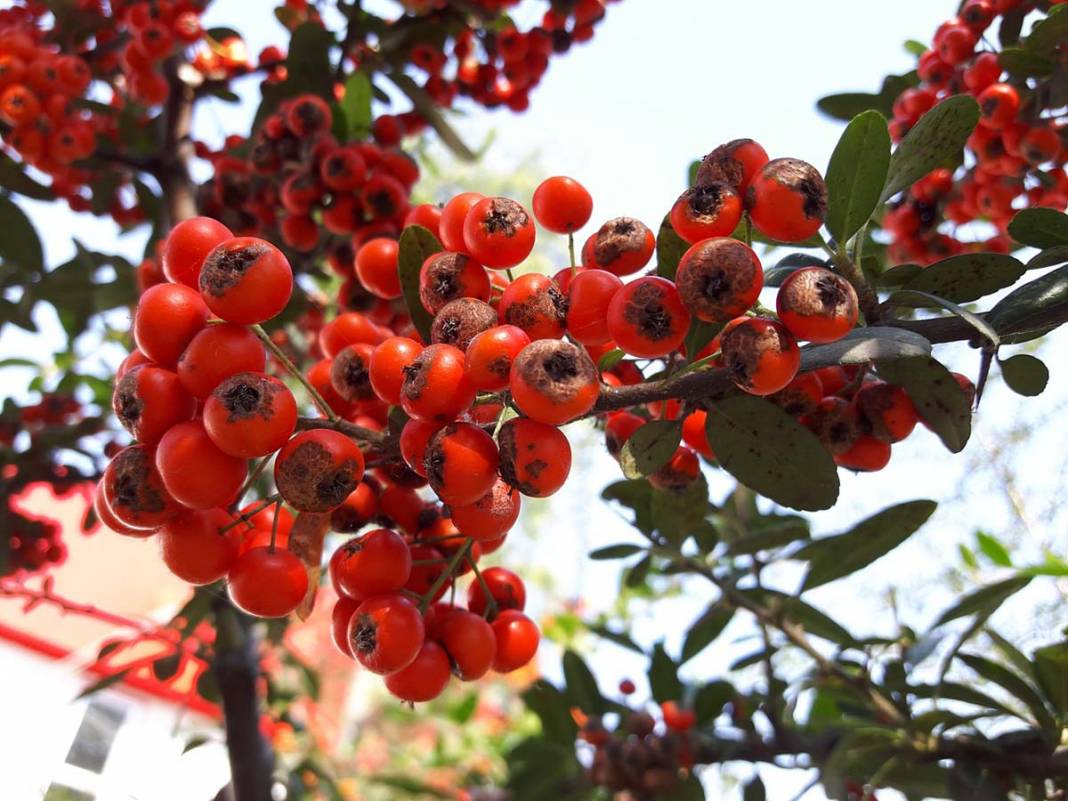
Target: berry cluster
[
  {"x": 295, "y": 178},
  {"x": 49, "y": 80},
  {"x": 32, "y": 544},
  {"x": 1015, "y": 158},
  {"x": 643, "y": 756},
  {"x": 495, "y": 65}
]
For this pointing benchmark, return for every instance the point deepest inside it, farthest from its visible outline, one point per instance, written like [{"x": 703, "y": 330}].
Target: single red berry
[
  {"x": 554, "y": 381},
  {"x": 999, "y": 104},
  {"x": 350, "y": 373},
  {"x": 148, "y": 400},
  {"x": 470, "y": 643},
  {"x": 719, "y": 279},
  {"x": 194, "y": 549},
  {"x": 453, "y": 216},
  {"x": 167, "y": 318},
  {"x": 678, "y": 473},
  {"x": 357, "y": 511},
  {"x": 760, "y": 354},
  {"x": 787, "y": 200},
  {"x": 187, "y": 245},
  {"x": 376, "y": 267},
  {"x": 694, "y": 433},
  {"x": 535, "y": 304},
  {"x": 195, "y": 471},
  {"x": 250, "y": 415},
  {"x": 676, "y": 718},
  {"x": 498, "y": 232},
  {"x": 491, "y": 516},
  {"x": 386, "y": 633},
  {"x": 461, "y": 320},
  {"x": 505, "y": 587},
  {"x": 377, "y": 563},
  {"x": 216, "y": 353},
  {"x": 709, "y": 210},
  {"x": 622, "y": 245},
  {"x": 517, "y": 639},
  {"x": 589, "y": 295},
  {"x": 489, "y": 356},
  {"x": 317, "y": 470},
  {"x": 435, "y": 386},
  {"x": 562, "y": 205},
  {"x": 388, "y": 362},
  {"x": 413, "y": 441},
  {"x": 817, "y": 305},
  {"x": 461, "y": 463},
  {"x": 734, "y": 164},
  {"x": 267, "y": 582},
  {"x": 867, "y": 454},
  {"x": 535, "y": 458},
  {"x": 424, "y": 678},
  {"x": 887, "y": 409},
  {"x": 340, "y": 616},
  {"x": 246, "y": 280},
  {"x": 647, "y": 317},
  {"x": 134, "y": 492},
  {"x": 446, "y": 276}
]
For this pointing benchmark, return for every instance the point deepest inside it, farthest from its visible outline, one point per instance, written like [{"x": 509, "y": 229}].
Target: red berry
[{"x": 267, "y": 582}]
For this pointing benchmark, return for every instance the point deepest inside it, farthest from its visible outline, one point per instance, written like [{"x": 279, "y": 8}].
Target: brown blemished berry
[
  {"x": 460, "y": 321},
  {"x": 350, "y": 373},
  {"x": 719, "y": 279}
]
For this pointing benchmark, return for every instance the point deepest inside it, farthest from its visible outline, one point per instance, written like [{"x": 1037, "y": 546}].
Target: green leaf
[
  {"x": 939, "y": 136},
  {"x": 755, "y": 791},
  {"x": 618, "y": 637},
  {"x": 462, "y": 711},
  {"x": 611, "y": 359},
  {"x": 984, "y": 600},
  {"x": 1024, "y": 64},
  {"x": 689, "y": 789},
  {"x": 14, "y": 178},
  {"x": 308, "y": 62},
  {"x": 19, "y": 244},
  {"x": 832, "y": 558},
  {"x": 936, "y": 395},
  {"x": 616, "y": 551},
  {"x": 993, "y": 549},
  {"x": 856, "y": 174},
  {"x": 1040, "y": 228},
  {"x": 1049, "y": 33},
  {"x": 1051, "y": 667},
  {"x": 964, "y": 693},
  {"x": 680, "y": 513},
  {"x": 635, "y": 494},
  {"x": 790, "y": 264},
  {"x": 669, "y": 249},
  {"x": 699, "y": 335},
  {"x": 650, "y": 447},
  {"x": 709, "y": 700},
  {"x": 195, "y": 742},
  {"x": 1023, "y": 308},
  {"x": 553, "y": 710},
  {"x": 356, "y": 105},
  {"x": 771, "y": 453},
  {"x": 417, "y": 244},
  {"x": 705, "y": 630},
  {"x": 1014, "y": 684},
  {"x": 913, "y": 297},
  {"x": 103, "y": 684},
  {"x": 1050, "y": 257},
  {"x": 582, "y": 690},
  {"x": 409, "y": 785},
  {"x": 166, "y": 667},
  {"x": 848, "y": 105},
  {"x": 1024, "y": 374},
  {"x": 968, "y": 277},
  {"x": 664, "y": 676}
]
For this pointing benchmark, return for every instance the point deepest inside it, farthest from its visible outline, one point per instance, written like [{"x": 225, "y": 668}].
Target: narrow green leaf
[
  {"x": 771, "y": 453},
  {"x": 103, "y": 684},
  {"x": 13, "y": 177},
  {"x": 417, "y": 244},
  {"x": 19, "y": 244},
  {"x": 705, "y": 630},
  {"x": 968, "y": 277},
  {"x": 1048, "y": 34},
  {"x": 618, "y": 637},
  {"x": 616, "y": 551},
  {"x": 611, "y": 359},
  {"x": 582, "y": 690},
  {"x": 195, "y": 742},
  {"x": 1050, "y": 257},
  {"x": 1014, "y": 684},
  {"x": 966, "y": 694},
  {"x": 650, "y": 447},
  {"x": 993, "y": 549},
  {"x": 679, "y": 513},
  {"x": 856, "y": 174},
  {"x": 1025, "y": 374},
  {"x": 984, "y": 600},
  {"x": 913, "y": 297},
  {"x": 938, "y": 136},
  {"x": 1040, "y": 228},
  {"x": 832, "y": 558},
  {"x": 1024, "y": 64},
  {"x": 553, "y": 710},
  {"x": 669, "y": 249},
  {"x": 356, "y": 105},
  {"x": 1051, "y": 667},
  {"x": 936, "y": 394},
  {"x": 755, "y": 791},
  {"x": 664, "y": 676},
  {"x": 1025, "y": 305}
]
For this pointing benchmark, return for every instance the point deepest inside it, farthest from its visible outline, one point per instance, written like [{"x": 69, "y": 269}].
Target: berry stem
[
  {"x": 251, "y": 513},
  {"x": 491, "y": 602},
  {"x": 291, "y": 368},
  {"x": 274, "y": 523},
  {"x": 450, "y": 568},
  {"x": 257, "y": 471},
  {"x": 869, "y": 301},
  {"x": 571, "y": 252},
  {"x": 748, "y": 230}
]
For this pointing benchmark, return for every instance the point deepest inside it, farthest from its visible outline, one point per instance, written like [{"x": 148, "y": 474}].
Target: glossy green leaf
[
  {"x": 938, "y": 136},
  {"x": 1014, "y": 684},
  {"x": 417, "y": 244},
  {"x": 856, "y": 174},
  {"x": 553, "y": 710},
  {"x": 984, "y": 600},
  {"x": 709, "y": 700},
  {"x": 771, "y": 453},
  {"x": 650, "y": 447},
  {"x": 1024, "y": 374},
  {"x": 679, "y": 513},
  {"x": 1040, "y": 228},
  {"x": 847, "y": 105},
  {"x": 356, "y": 105},
  {"x": 1051, "y": 667},
  {"x": 616, "y": 552},
  {"x": 936, "y": 394},
  {"x": 19, "y": 243},
  {"x": 967, "y": 277},
  {"x": 620, "y": 638},
  {"x": 664, "y": 676},
  {"x": 14, "y": 177},
  {"x": 669, "y": 249},
  {"x": 582, "y": 690},
  {"x": 705, "y": 630},
  {"x": 1027, "y": 307}
]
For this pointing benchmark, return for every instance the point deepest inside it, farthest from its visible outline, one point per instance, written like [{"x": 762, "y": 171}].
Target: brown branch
[
  {"x": 179, "y": 195},
  {"x": 365, "y": 435}
]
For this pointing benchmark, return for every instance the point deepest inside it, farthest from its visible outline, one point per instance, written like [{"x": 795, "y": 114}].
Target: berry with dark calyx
[
  {"x": 489, "y": 356},
  {"x": 435, "y": 386},
  {"x": 447, "y": 276},
  {"x": 498, "y": 232},
  {"x": 317, "y": 470},
  {"x": 709, "y": 210},
  {"x": 719, "y": 279},
  {"x": 377, "y": 563},
  {"x": 735, "y": 164},
  {"x": 787, "y": 200},
  {"x": 461, "y": 463},
  {"x": 835, "y": 422},
  {"x": 491, "y": 516},
  {"x": 148, "y": 400},
  {"x": 350, "y": 373},
  {"x": 413, "y": 440},
  {"x": 678, "y": 473},
  {"x": 622, "y": 246},
  {"x": 887, "y": 409},
  {"x": 134, "y": 492},
  {"x": 535, "y": 304},
  {"x": 801, "y": 396},
  {"x": 246, "y": 280},
  {"x": 386, "y": 370},
  {"x": 250, "y": 415},
  {"x": 459, "y": 321},
  {"x": 817, "y": 305},
  {"x": 535, "y": 458},
  {"x": 386, "y": 633},
  {"x": 760, "y": 354},
  {"x": 554, "y": 382},
  {"x": 359, "y": 509},
  {"x": 618, "y": 428},
  {"x": 647, "y": 317}
]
